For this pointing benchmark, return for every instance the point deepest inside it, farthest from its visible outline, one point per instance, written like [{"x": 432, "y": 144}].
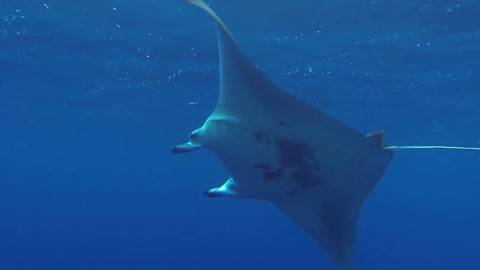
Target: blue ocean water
[{"x": 93, "y": 94}]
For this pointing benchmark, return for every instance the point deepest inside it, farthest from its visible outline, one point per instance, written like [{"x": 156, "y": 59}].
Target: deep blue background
[{"x": 93, "y": 94}]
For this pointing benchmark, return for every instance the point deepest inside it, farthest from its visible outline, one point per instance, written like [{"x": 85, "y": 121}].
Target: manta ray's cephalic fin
[{"x": 228, "y": 189}]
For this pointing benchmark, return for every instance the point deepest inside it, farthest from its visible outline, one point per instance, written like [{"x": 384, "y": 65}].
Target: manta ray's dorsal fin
[{"x": 377, "y": 137}]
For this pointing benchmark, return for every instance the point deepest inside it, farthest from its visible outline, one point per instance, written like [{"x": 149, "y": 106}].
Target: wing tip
[
  {"x": 205, "y": 7},
  {"x": 194, "y": 2}
]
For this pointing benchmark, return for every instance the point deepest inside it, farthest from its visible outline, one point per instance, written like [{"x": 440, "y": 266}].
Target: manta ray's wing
[{"x": 247, "y": 93}]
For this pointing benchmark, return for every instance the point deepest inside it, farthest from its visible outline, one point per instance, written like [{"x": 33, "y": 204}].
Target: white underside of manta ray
[{"x": 315, "y": 169}]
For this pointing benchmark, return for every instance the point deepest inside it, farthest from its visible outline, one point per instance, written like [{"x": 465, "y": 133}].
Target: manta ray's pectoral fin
[
  {"x": 226, "y": 190},
  {"x": 329, "y": 222}
]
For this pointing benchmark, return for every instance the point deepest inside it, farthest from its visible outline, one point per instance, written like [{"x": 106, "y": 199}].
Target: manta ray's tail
[
  {"x": 410, "y": 147},
  {"x": 378, "y": 137}
]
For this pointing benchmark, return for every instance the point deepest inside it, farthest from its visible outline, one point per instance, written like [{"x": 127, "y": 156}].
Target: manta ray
[{"x": 315, "y": 169}]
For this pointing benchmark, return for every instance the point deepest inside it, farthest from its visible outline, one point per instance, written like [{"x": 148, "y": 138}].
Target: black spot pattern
[
  {"x": 292, "y": 154},
  {"x": 258, "y": 136},
  {"x": 270, "y": 176},
  {"x": 292, "y": 193},
  {"x": 297, "y": 157},
  {"x": 268, "y": 173},
  {"x": 262, "y": 166},
  {"x": 304, "y": 177},
  {"x": 296, "y": 160},
  {"x": 261, "y": 138}
]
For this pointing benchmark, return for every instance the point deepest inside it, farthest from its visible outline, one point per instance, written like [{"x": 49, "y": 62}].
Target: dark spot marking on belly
[
  {"x": 258, "y": 136},
  {"x": 298, "y": 158},
  {"x": 292, "y": 154},
  {"x": 292, "y": 193},
  {"x": 281, "y": 123},
  {"x": 261, "y": 138},
  {"x": 270, "y": 176},
  {"x": 262, "y": 166},
  {"x": 305, "y": 178},
  {"x": 316, "y": 166}
]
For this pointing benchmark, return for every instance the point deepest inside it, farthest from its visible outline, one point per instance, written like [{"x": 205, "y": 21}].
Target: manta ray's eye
[{"x": 193, "y": 136}]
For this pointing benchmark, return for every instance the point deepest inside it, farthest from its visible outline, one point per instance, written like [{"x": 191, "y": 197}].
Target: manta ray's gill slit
[
  {"x": 268, "y": 173},
  {"x": 270, "y": 176},
  {"x": 261, "y": 138},
  {"x": 262, "y": 166},
  {"x": 316, "y": 165},
  {"x": 283, "y": 123}
]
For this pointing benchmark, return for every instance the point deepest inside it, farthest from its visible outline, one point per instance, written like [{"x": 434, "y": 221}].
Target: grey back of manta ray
[{"x": 315, "y": 169}]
